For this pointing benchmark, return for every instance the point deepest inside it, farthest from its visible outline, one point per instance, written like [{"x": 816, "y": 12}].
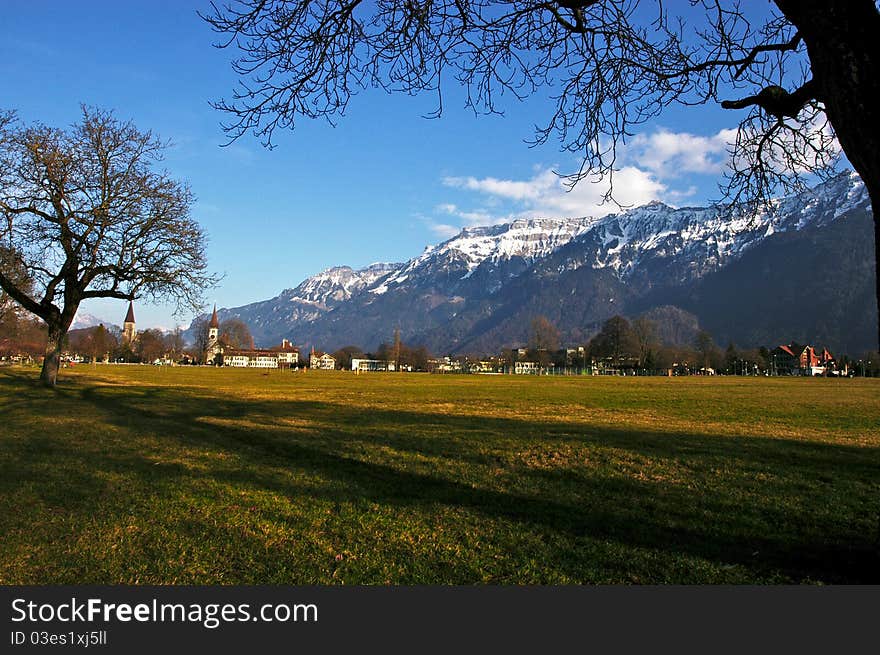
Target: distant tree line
[
  {"x": 662, "y": 340},
  {"x": 404, "y": 357},
  {"x": 100, "y": 343}
]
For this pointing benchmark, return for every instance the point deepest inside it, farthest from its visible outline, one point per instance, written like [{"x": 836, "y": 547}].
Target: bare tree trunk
[
  {"x": 874, "y": 193},
  {"x": 52, "y": 360},
  {"x": 860, "y": 139},
  {"x": 843, "y": 42}
]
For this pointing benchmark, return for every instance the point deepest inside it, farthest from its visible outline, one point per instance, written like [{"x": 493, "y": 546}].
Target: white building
[
  {"x": 287, "y": 353},
  {"x": 322, "y": 361},
  {"x": 283, "y": 356},
  {"x": 371, "y": 365},
  {"x": 525, "y": 368}
]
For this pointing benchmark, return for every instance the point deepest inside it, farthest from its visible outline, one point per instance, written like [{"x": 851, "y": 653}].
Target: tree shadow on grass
[{"x": 727, "y": 526}]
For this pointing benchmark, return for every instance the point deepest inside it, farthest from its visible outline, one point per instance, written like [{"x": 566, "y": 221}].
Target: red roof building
[{"x": 794, "y": 359}]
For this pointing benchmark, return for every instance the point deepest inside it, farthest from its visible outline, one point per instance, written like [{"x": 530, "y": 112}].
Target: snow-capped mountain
[
  {"x": 335, "y": 285},
  {"x": 496, "y": 250},
  {"x": 274, "y": 319},
  {"x": 82, "y": 321},
  {"x": 656, "y": 243},
  {"x": 479, "y": 289}
]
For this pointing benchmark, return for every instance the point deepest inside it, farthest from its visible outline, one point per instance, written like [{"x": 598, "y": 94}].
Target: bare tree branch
[{"x": 610, "y": 69}]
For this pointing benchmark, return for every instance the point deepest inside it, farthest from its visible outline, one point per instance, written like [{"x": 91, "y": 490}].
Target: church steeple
[
  {"x": 214, "y": 347},
  {"x": 129, "y": 333}
]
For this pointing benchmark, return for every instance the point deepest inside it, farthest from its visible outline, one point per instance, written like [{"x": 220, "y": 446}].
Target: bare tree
[
  {"x": 343, "y": 356},
  {"x": 150, "y": 345},
  {"x": 96, "y": 342},
  {"x": 199, "y": 329},
  {"x": 174, "y": 342},
  {"x": 806, "y": 73},
  {"x": 645, "y": 333},
  {"x": 102, "y": 342},
  {"x": 706, "y": 348},
  {"x": 544, "y": 335},
  {"x": 21, "y": 335},
  {"x": 397, "y": 349},
  {"x": 616, "y": 340},
  {"x": 236, "y": 334},
  {"x": 87, "y": 216},
  {"x": 543, "y": 340}
]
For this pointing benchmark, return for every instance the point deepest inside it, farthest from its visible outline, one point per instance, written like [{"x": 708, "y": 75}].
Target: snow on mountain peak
[
  {"x": 82, "y": 320},
  {"x": 714, "y": 235},
  {"x": 337, "y": 284},
  {"x": 526, "y": 238}
]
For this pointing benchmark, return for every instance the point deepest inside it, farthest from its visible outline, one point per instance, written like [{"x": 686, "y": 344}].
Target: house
[
  {"x": 794, "y": 359},
  {"x": 322, "y": 361},
  {"x": 287, "y": 354},
  {"x": 482, "y": 366},
  {"x": 444, "y": 365},
  {"x": 526, "y": 368}
]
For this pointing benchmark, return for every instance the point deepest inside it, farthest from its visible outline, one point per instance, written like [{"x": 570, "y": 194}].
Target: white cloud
[
  {"x": 547, "y": 195},
  {"x": 669, "y": 154},
  {"x": 651, "y": 162},
  {"x": 443, "y": 230},
  {"x": 510, "y": 189},
  {"x": 466, "y": 218}
]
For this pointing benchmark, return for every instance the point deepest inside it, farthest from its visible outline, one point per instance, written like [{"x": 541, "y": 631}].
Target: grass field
[{"x": 153, "y": 475}]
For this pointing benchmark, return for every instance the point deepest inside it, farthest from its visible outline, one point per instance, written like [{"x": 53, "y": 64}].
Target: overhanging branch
[{"x": 776, "y": 101}]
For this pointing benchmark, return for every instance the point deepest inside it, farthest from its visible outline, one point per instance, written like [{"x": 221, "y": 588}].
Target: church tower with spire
[
  {"x": 129, "y": 333},
  {"x": 213, "y": 327},
  {"x": 214, "y": 347}
]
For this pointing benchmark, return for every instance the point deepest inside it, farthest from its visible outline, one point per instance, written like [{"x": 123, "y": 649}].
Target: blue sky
[{"x": 380, "y": 186}]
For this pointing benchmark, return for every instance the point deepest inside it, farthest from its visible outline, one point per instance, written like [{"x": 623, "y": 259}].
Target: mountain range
[{"x": 801, "y": 271}]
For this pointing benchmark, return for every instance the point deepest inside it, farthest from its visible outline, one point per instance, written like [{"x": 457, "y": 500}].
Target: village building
[
  {"x": 444, "y": 365},
  {"x": 526, "y": 368},
  {"x": 371, "y": 365},
  {"x": 322, "y": 361},
  {"x": 287, "y": 354},
  {"x": 283, "y": 356},
  {"x": 256, "y": 358},
  {"x": 217, "y": 352},
  {"x": 482, "y": 366},
  {"x": 793, "y": 359}
]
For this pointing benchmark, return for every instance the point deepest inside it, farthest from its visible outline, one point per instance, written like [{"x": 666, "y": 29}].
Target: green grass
[{"x": 152, "y": 475}]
